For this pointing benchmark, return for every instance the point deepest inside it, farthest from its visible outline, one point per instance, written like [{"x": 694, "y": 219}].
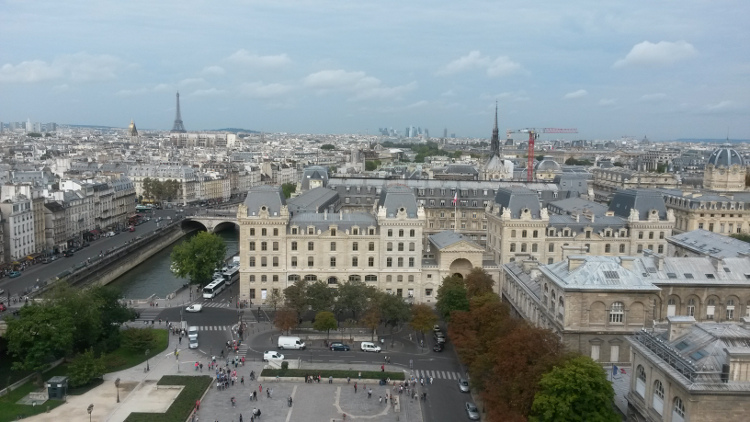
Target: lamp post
[
  {"x": 147, "y": 368},
  {"x": 90, "y": 409},
  {"x": 117, "y": 386}
]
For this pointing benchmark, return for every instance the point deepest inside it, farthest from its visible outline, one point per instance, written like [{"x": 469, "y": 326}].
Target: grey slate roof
[
  {"x": 599, "y": 224},
  {"x": 708, "y": 243},
  {"x": 271, "y": 197},
  {"x": 641, "y": 200},
  {"x": 725, "y": 156},
  {"x": 576, "y": 205},
  {"x": 313, "y": 173},
  {"x": 344, "y": 221},
  {"x": 446, "y": 238},
  {"x": 314, "y": 200},
  {"x": 396, "y": 197},
  {"x": 516, "y": 199},
  {"x": 596, "y": 273}
]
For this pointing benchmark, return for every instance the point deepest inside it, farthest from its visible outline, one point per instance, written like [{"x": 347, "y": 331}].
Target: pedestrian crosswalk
[
  {"x": 426, "y": 374},
  {"x": 148, "y": 314},
  {"x": 210, "y": 304},
  {"x": 214, "y": 327}
]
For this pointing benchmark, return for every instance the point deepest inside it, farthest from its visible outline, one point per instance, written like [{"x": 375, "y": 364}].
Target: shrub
[{"x": 284, "y": 365}]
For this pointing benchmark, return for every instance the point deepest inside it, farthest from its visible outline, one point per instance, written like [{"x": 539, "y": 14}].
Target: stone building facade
[{"x": 609, "y": 180}]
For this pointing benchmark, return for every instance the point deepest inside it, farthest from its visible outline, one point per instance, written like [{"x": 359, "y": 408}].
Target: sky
[{"x": 663, "y": 69}]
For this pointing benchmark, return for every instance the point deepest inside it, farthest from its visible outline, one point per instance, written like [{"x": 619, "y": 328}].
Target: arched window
[
  {"x": 730, "y": 309},
  {"x": 658, "y": 398},
  {"x": 252, "y": 279},
  {"x": 412, "y": 247},
  {"x": 678, "y": 410},
  {"x": 333, "y": 280},
  {"x": 561, "y": 308},
  {"x": 535, "y": 233},
  {"x": 310, "y": 278},
  {"x": 671, "y": 306},
  {"x": 617, "y": 313},
  {"x": 411, "y": 279},
  {"x": 553, "y": 302},
  {"x": 524, "y": 233},
  {"x": 710, "y": 309},
  {"x": 388, "y": 278},
  {"x": 263, "y": 278},
  {"x": 389, "y": 246},
  {"x": 523, "y": 247},
  {"x": 400, "y": 278},
  {"x": 293, "y": 278},
  {"x": 512, "y": 247},
  {"x": 400, "y": 246},
  {"x": 691, "y": 307},
  {"x": 263, "y": 232},
  {"x": 640, "y": 381},
  {"x": 371, "y": 277},
  {"x": 607, "y": 248},
  {"x": 354, "y": 278}
]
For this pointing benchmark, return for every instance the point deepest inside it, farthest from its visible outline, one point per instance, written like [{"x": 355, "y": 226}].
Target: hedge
[
  {"x": 180, "y": 409},
  {"x": 336, "y": 373}
]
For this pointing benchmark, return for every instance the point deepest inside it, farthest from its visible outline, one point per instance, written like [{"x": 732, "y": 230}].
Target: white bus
[
  {"x": 231, "y": 275},
  {"x": 213, "y": 288}
]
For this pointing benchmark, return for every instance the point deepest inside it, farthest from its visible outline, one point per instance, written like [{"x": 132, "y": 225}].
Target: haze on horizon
[{"x": 665, "y": 70}]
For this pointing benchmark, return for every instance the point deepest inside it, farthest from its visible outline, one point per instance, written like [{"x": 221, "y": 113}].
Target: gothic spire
[
  {"x": 495, "y": 143},
  {"x": 178, "y": 126}
]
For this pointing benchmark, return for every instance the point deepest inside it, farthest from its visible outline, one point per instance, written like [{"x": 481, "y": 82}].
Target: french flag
[{"x": 455, "y": 198}]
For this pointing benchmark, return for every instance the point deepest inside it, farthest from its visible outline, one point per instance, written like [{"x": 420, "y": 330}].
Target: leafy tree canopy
[
  {"x": 85, "y": 368},
  {"x": 320, "y": 297},
  {"x": 354, "y": 297},
  {"x": 327, "y": 147},
  {"x": 393, "y": 309},
  {"x": 288, "y": 189},
  {"x": 478, "y": 283},
  {"x": 325, "y": 321},
  {"x": 372, "y": 165},
  {"x": 295, "y": 296},
  {"x": 452, "y": 296},
  {"x": 578, "y": 390},
  {"x": 41, "y": 335},
  {"x": 197, "y": 258},
  {"x": 286, "y": 319},
  {"x": 423, "y": 318}
]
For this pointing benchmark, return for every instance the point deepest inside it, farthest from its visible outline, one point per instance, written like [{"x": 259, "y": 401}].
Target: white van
[
  {"x": 193, "y": 333},
  {"x": 291, "y": 342},
  {"x": 366, "y": 346}
]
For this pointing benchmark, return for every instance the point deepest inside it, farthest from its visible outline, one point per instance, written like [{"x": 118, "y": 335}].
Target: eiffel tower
[{"x": 178, "y": 126}]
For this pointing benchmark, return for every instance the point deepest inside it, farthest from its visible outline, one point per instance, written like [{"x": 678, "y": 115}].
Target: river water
[{"x": 153, "y": 276}]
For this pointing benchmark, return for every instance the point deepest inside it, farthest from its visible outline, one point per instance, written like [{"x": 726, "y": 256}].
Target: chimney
[
  {"x": 325, "y": 214},
  {"x": 659, "y": 261},
  {"x": 627, "y": 262},
  {"x": 575, "y": 261},
  {"x": 738, "y": 367},
  {"x": 678, "y": 326},
  {"x": 716, "y": 262}
]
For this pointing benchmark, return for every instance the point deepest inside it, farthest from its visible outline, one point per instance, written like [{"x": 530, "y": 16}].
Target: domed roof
[
  {"x": 547, "y": 164},
  {"x": 725, "y": 156}
]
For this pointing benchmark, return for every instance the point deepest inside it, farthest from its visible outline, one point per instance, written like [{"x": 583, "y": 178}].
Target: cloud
[
  {"x": 245, "y": 58},
  {"x": 653, "y": 98},
  {"x": 725, "y": 106},
  {"x": 359, "y": 84},
  {"x": 210, "y": 92},
  {"x": 501, "y": 66},
  {"x": 190, "y": 81},
  {"x": 132, "y": 92},
  {"x": 575, "y": 94},
  {"x": 260, "y": 90},
  {"x": 663, "y": 53},
  {"x": 448, "y": 93},
  {"x": 79, "y": 67},
  {"x": 607, "y": 101},
  {"x": 213, "y": 71}
]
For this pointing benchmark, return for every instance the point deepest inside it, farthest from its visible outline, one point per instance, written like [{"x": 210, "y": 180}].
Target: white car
[
  {"x": 196, "y": 307},
  {"x": 366, "y": 346},
  {"x": 271, "y": 355},
  {"x": 193, "y": 333},
  {"x": 194, "y": 343}
]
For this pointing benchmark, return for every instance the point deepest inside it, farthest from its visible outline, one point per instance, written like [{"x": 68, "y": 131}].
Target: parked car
[
  {"x": 436, "y": 328},
  {"x": 463, "y": 385},
  {"x": 340, "y": 347},
  {"x": 14, "y": 274},
  {"x": 2, "y": 307},
  {"x": 196, "y": 307},
  {"x": 272, "y": 355},
  {"x": 367, "y": 346},
  {"x": 472, "y": 411},
  {"x": 438, "y": 347}
]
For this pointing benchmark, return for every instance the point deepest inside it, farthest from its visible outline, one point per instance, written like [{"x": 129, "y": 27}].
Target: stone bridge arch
[{"x": 211, "y": 225}]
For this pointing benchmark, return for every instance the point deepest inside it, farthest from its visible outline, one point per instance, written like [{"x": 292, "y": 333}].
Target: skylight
[{"x": 689, "y": 275}]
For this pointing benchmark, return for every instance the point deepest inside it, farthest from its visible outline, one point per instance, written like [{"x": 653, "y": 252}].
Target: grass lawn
[
  {"x": 183, "y": 404},
  {"x": 336, "y": 373},
  {"x": 115, "y": 361}
]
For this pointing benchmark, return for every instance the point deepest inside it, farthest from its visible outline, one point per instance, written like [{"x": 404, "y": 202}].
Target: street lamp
[
  {"x": 90, "y": 409},
  {"x": 117, "y": 386},
  {"x": 147, "y": 368}
]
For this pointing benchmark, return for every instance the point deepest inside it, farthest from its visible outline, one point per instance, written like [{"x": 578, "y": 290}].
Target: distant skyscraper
[
  {"x": 445, "y": 133},
  {"x": 178, "y": 126}
]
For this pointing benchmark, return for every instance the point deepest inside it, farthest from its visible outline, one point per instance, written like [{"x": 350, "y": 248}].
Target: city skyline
[{"x": 611, "y": 70}]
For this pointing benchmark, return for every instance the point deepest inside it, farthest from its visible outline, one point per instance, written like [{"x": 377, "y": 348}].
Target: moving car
[
  {"x": 463, "y": 385},
  {"x": 193, "y": 333},
  {"x": 340, "y": 347},
  {"x": 436, "y": 328},
  {"x": 2, "y": 307},
  {"x": 472, "y": 411},
  {"x": 14, "y": 274},
  {"x": 68, "y": 253},
  {"x": 367, "y": 346},
  {"x": 193, "y": 343},
  {"x": 196, "y": 307},
  {"x": 291, "y": 342},
  {"x": 438, "y": 347},
  {"x": 272, "y": 355}
]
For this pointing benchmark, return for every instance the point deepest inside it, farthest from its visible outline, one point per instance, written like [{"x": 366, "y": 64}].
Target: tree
[
  {"x": 575, "y": 391},
  {"x": 198, "y": 257},
  {"x": 275, "y": 299},
  {"x": 372, "y": 165},
  {"x": 393, "y": 309},
  {"x": 327, "y": 147},
  {"x": 320, "y": 297},
  {"x": 371, "y": 319},
  {"x": 85, "y": 368},
  {"x": 138, "y": 340},
  {"x": 325, "y": 321},
  {"x": 286, "y": 319},
  {"x": 354, "y": 297},
  {"x": 741, "y": 236},
  {"x": 478, "y": 283},
  {"x": 451, "y": 296},
  {"x": 295, "y": 296},
  {"x": 288, "y": 189},
  {"x": 39, "y": 336},
  {"x": 423, "y": 318}
]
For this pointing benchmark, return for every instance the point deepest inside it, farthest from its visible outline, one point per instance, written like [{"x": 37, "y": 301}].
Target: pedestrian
[
  {"x": 359, "y": 376},
  {"x": 355, "y": 388},
  {"x": 198, "y": 404},
  {"x": 242, "y": 380},
  {"x": 380, "y": 399},
  {"x": 348, "y": 379},
  {"x": 330, "y": 379},
  {"x": 260, "y": 388},
  {"x": 240, "y": 417},
  {"x": 369, "y": 393},
  {"x": 382, "y": 368}
]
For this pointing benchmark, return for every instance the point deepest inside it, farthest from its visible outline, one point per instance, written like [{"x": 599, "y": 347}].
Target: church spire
[{"x": 495, "y": 143}]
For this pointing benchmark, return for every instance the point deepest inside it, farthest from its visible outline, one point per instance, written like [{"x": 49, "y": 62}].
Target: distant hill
[
  {"x": 234, "y": 130},
  {"x": 714, "y": 141}
]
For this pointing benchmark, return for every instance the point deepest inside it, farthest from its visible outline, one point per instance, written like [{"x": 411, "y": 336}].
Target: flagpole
[{"x": 455, "y": 213}]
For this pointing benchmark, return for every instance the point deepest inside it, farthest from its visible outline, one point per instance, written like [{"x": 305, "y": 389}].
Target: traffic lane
[
  {"x": 444, "y": 401},
  {"x": 210, "y": 339},
  {"x": 48, "y": 271}
]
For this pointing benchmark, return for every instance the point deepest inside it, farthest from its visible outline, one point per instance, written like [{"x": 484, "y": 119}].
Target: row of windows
[
  {"x": 311, "y": 246},
  {"x": 399, "y": 292},
  {"x": 730, "y": 305},
  {"x": 311, "y": 231},
  {"x": 412, "y": 233},
  {"x": 293, "y": 262},
  {"x": 657, "y": 396}
]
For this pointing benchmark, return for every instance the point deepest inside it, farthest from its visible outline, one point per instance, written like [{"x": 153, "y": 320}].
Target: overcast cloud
[{"x": 665, "y": 70}]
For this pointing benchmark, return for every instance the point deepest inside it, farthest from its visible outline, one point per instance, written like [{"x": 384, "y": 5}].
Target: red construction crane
[{"x": 533, "y": 134}]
